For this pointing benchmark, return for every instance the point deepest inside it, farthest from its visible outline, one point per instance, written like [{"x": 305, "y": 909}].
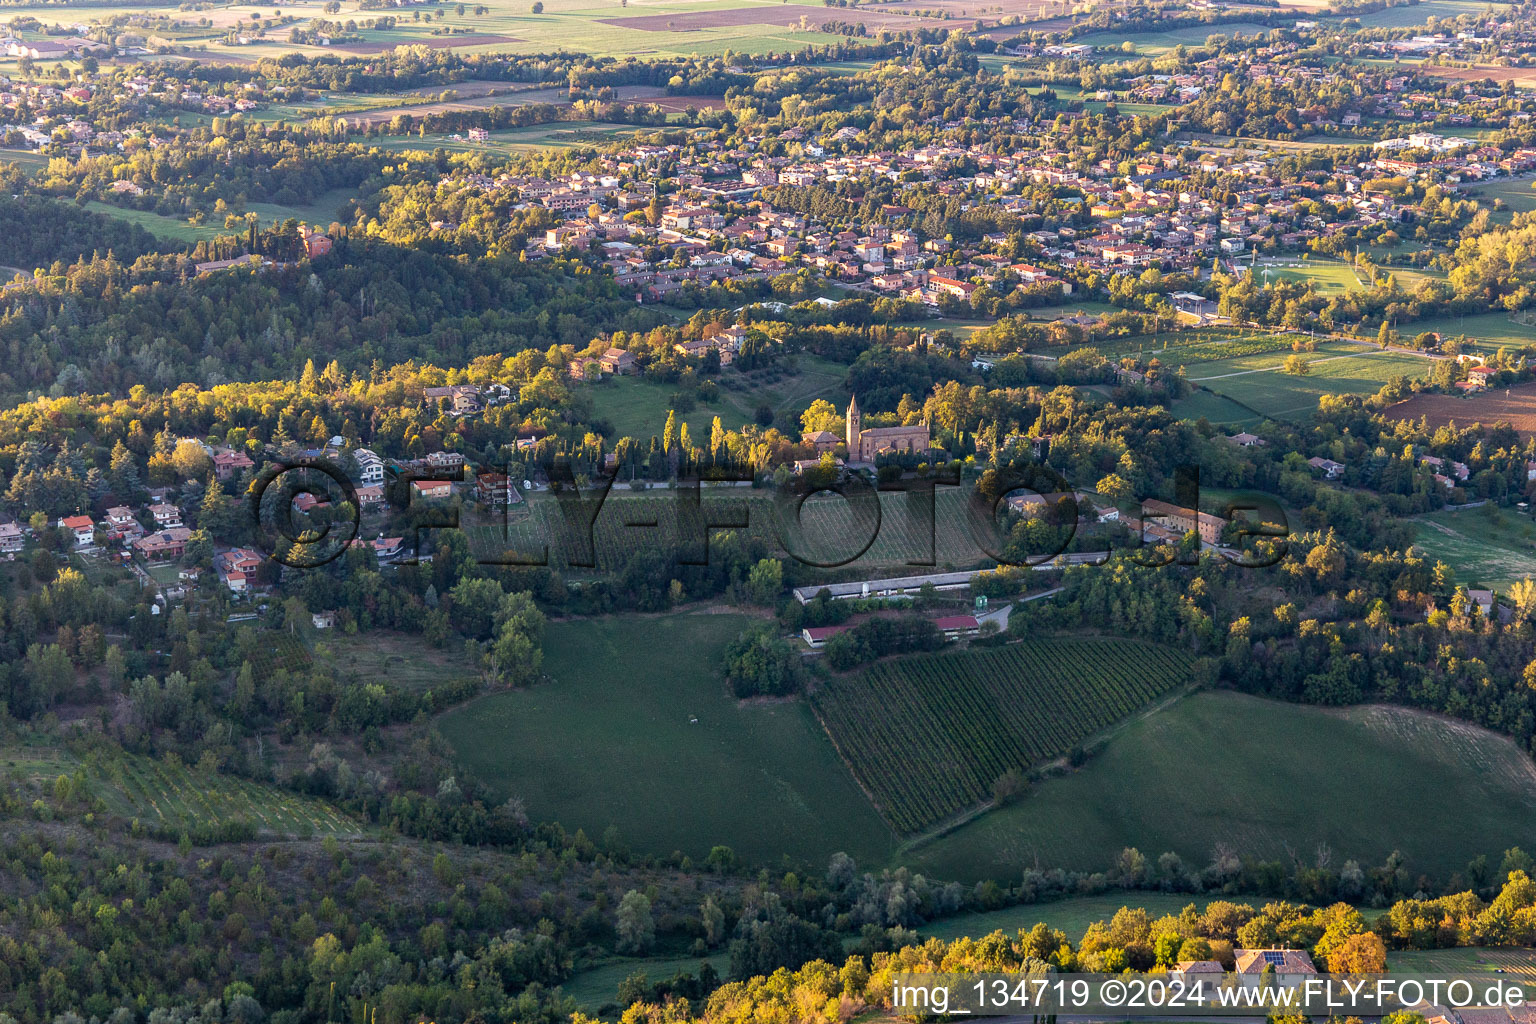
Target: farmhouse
[
  {"x": 10, "y": 538},
  {"x": 1182, "y": 520},
  {"x": 1291, "y": 966},
  {"x": 431, "y": 490}
]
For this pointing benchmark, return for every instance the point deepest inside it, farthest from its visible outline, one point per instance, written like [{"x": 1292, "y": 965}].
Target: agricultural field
[
  {"x": 1263, "y": 778},
  {"x": 1518, "y": 962},
  {"x": 1215, "y": 408},
  {"x": 171, "y": 795},
  {"x": 928, "y": 736},
  {"x": 1515, "y": 406},
  {"x": 1158, "y": 43},
  {"x": 598, "y": 984},
  {"x": 641, "y": 27},
  {"x": 1488, "y": 331},
  {"x": 1485, "y": 547},
  {"x": 1072, "y": 916},
  {"x": 641, "y": 733},
  {"x": 1417, "y": 14},
  {"x": 1270, "y": 392}
]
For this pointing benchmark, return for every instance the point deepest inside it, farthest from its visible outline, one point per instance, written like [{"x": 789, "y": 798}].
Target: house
[
  {"x": 1182, "y": 520},
  {"x": 1290, "y": 967},
  {"x": 618, "y": 361},
  {"x": 228, "y": 463},
  {"x": 322, "y": 620},
  {"x": 163, "y": 545},
  {"x": 817, "y": 636},
  {"x": 386, "y": 549},
  {"x": 1484, "y": 600},
  {"x": 238, "y": 567},
  {"x": 431, "y": 490},
  {"x": 370, "y": 468},
  {"x": 10, "y": 538},
  {"x": 1200, "y": 977},
  {"x": 316, "y": 243},
  {"x": 166, "y": 515},
  {"x": 1331, "y": 470},
  {"x": 83, "y": 529},
  {"x": 120, "y": 520},
  {"x": 1247, "y": 440},
  {"x": 461, "y": 399},
  {"x": 821, "y": 441},
  {"x": 956, "y": 626},
  {"x": 370, "y": 496},
  {"x": 494, "y": 489},
  {"x": 445, "y": 460},
  {"x": 1482, "y": 374}
]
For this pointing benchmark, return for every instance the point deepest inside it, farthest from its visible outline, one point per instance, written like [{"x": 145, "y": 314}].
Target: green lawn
[
  {"x": 1485, "y": 547},
  {"x": 322, "y": 211},
  {"x": 635, "y": 728},
  {"x": 1264, "y": 778},
  {"x": 171, "y": 229},
  {"x": 1327, "y": 277}
]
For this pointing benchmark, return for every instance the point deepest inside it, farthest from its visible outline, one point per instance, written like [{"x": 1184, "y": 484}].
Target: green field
[
  {"x": 171, "y": 229},
  {"x": 166, "y": 794},
  {"x": 598, "y": 984},
  {"x": 1158, "y": 43},
  {"x": 635, "y": 728},
  {"x": 1488, "y": 331},
  {"x": 1327, "y": 277},
  {"x": 1072, "y": 916},
  {"x": 1264, "y": 778},
  {"x": 638, "y": 408},
  {"x": 1519, "y": 194},
  {"x": 1485, "y": 547},
  {"x": 1217, "y": 409},
  {"x": 508, "y": 26},
  {"x": 1418, "y": 14},
  {"x": 159, "y": 793},
  {"x": 928, "y": 736},
  {"x": 1337, "y": 368},
  {"x": 1520, "y": 962}
]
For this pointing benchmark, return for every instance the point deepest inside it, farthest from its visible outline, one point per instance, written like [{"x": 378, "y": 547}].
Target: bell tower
[{"x": 854, "y": 428}]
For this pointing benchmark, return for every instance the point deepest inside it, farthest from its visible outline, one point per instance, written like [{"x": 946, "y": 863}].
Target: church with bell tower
[{"x": 864, "y": 445}]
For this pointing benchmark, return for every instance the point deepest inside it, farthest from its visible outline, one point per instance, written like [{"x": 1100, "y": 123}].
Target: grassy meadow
[
  {"x": 634, "y": 727},
  {"x": 1263, "y": 777},
  {"x": 1336, "y": 368},
  {"x": 1485, "y": 547}
]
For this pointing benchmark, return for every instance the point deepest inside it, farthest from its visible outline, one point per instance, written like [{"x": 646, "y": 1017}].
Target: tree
[
  {"x": 634, "y": 924},
  {"x": 765, "y": 581},
  {"x": 517, "y": 653},
  {"x": 538, "y": 7},
  {"x": 760, "y": 663},
  {"x": 1362, "y": 953}
]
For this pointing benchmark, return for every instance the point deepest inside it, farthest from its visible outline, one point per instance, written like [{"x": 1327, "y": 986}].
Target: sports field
[
  {"x": 635, "y": 728},
  {"x": 1264, "y": 778}
]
